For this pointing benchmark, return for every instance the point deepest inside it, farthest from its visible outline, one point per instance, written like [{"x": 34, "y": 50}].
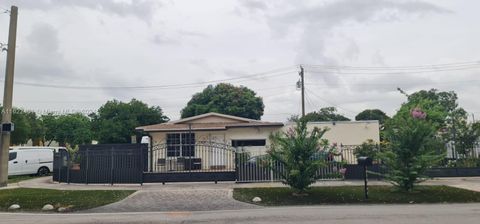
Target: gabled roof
[
  {"x": 210, "y": 114},
  {"x": 209, "y": 121}
]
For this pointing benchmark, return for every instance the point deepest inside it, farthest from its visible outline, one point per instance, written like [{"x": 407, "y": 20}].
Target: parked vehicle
[
  {"x": 35, "y": 160},
  {"x": 55, "y": 149}
]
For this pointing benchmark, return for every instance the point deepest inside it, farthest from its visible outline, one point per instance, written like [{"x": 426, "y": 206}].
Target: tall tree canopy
[
  {"x": 115, "y": 121},
  {"x": 72, "y": 129},
  {"x": 226, "y": 99},
  {"x": 442, "y": 109},
  {"x": 372, "y": 114},
  {"x": 324, "y": 114}
]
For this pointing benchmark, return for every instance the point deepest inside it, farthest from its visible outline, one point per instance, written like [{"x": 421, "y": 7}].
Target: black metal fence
[
  {"x": 111, "y": 163},
  {"x": 262, "y": 169}
]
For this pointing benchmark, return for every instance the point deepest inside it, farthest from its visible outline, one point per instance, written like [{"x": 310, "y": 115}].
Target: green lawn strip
[
  {"x": 354, "y": 195},
  {"x": 31, "y": 199},
  {"x": 16, "y": 179}
]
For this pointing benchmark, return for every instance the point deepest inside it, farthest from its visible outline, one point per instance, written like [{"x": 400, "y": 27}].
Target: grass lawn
[
  {"x": 31, "y": 199},
  {"x": 16, "y": 179},
  {"x": 355, "y": 195}
]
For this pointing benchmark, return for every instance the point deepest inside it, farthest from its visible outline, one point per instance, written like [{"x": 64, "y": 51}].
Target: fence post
[
  {"x": 86, "y": 168},
  {"x": 68, "y": 166},
  {"x": 271, "y": 170},
  {"x": 111, "y": 166},
  {"x": 59, "y": 165},
  {"x": 142, "y": 168}
]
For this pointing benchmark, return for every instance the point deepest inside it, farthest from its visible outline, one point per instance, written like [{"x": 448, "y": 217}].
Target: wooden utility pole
[
  {"x": 302, "y": 80},
  {"x": 7, "y": 96}
]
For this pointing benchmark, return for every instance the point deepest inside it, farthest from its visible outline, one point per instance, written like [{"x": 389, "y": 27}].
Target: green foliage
[
  {"x": 281, "y": 196},
  {"x": 372, "y": 114},
  {"x": 22, "y": 131},
  {"x": 73, "y": 129},
  {"x": 369, "y": 149},
  {"x": 37, "y": 128},
  {"x": 226, "y": 99},
  {"x": 49, "y": 122},
  {"x": 115, "y": 121},
  {"x": 32, "y": 199},
  {"x": 442, "y": 109},
  {"x": 296, "y": 150},
  {"x": 467, "y": 136},
  {"x": 413, "y": 147},
  {"x": 324, "y": 114}
]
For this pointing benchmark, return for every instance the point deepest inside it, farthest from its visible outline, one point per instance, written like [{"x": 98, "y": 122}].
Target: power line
[
  {"x": 393, "y": 72},
  {"x": 346, "y": 67},
  {"x": 257, "y": 76},
  {"x": 332, "y": 104}
]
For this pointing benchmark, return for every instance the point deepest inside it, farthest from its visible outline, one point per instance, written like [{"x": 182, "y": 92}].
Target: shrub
[
  {"x": 369, "y": 149},
  {"x": 296, "y": 150},
  {"x": 413, "y": 147}
]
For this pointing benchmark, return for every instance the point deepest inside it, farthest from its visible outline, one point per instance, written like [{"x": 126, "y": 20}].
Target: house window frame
[
  {"x": 180, "y": 144},
  {"x": 234, "y": 142}
]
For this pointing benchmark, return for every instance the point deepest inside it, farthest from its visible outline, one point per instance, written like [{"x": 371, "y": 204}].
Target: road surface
[{"x": 376, "y": 214}]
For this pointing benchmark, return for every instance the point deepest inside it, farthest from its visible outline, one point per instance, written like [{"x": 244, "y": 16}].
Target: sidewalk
[
  {"x": 46, "y": 182},
  {"x": 470, "y": 183}
]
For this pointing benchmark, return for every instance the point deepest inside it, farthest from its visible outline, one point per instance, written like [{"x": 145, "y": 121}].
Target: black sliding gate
[
  {"x": 136, "y": 163},
  {"x": 198, "y": 161}
]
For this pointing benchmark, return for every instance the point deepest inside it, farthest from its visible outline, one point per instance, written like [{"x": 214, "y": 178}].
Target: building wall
[{"x": 346, "y": 132}]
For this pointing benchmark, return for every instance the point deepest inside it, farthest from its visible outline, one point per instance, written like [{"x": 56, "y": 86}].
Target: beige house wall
[{"x": 346, "y": 132}]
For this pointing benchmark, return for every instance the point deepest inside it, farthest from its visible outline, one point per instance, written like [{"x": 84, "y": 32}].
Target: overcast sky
[{"x": 108, "y": 43}]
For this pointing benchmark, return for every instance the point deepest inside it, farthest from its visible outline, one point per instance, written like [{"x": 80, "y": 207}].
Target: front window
[
  {"x": 12, "y": 156},
  {"x": 248, "y": 142},
  {"x": 181, "y": 144}
]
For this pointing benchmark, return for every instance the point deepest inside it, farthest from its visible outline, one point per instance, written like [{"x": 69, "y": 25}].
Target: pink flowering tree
[
  {"x": 413, "y": 146},
  {"x": 296, "y": 150}
]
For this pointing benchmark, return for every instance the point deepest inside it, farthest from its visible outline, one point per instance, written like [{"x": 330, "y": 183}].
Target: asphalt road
[{"x": 376, "y": 214}]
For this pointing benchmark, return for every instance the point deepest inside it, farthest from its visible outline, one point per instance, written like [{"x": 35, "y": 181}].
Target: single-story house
[{"x": 209, "y": 140}]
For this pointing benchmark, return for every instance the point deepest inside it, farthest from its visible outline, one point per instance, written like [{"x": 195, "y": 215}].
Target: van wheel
[{"x": 43, "y": 171}]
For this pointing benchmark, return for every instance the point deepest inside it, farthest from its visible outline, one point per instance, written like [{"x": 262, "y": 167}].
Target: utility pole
[
  {"x": 8, "y": 96},
  {"x": 302, "y": 81}
]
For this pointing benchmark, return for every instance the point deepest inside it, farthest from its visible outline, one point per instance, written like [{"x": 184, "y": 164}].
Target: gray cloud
[
  {"x": 162, "y": 39},
  {"x": 41, "y": 56},
  {"x": 315, "y": 25},
  {"x": 142, "y": 9}
]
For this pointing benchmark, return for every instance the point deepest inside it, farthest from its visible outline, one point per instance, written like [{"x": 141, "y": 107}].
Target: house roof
[{"x": 208, "y": 121}]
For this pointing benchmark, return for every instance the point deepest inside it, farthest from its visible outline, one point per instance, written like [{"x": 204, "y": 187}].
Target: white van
[
  {"x": 30, "y": 161},
  {"x": 55, "y": 149}
]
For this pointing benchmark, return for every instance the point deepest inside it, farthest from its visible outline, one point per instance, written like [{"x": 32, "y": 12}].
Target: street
[{"x": 392, "y": 214}]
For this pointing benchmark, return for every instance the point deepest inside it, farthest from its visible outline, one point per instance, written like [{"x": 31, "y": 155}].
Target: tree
[
  {"x": 226, "y": 99},
  {"x": 73, "y": 129},
  {"x": 413, "y": 146},
  {"x": 296, "y": 150},
  {"x": 467, "y": 137},
  {"x": 372, "y": 114},
  {"x": 324, "y": 114},
  {"x": 21, "y": 133},
  {"x": 442, "y": 109},
  {"x": 50, "y": 126},
  {"x": 37, "y": 129},
  {"x": 115, "y": 121}
]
